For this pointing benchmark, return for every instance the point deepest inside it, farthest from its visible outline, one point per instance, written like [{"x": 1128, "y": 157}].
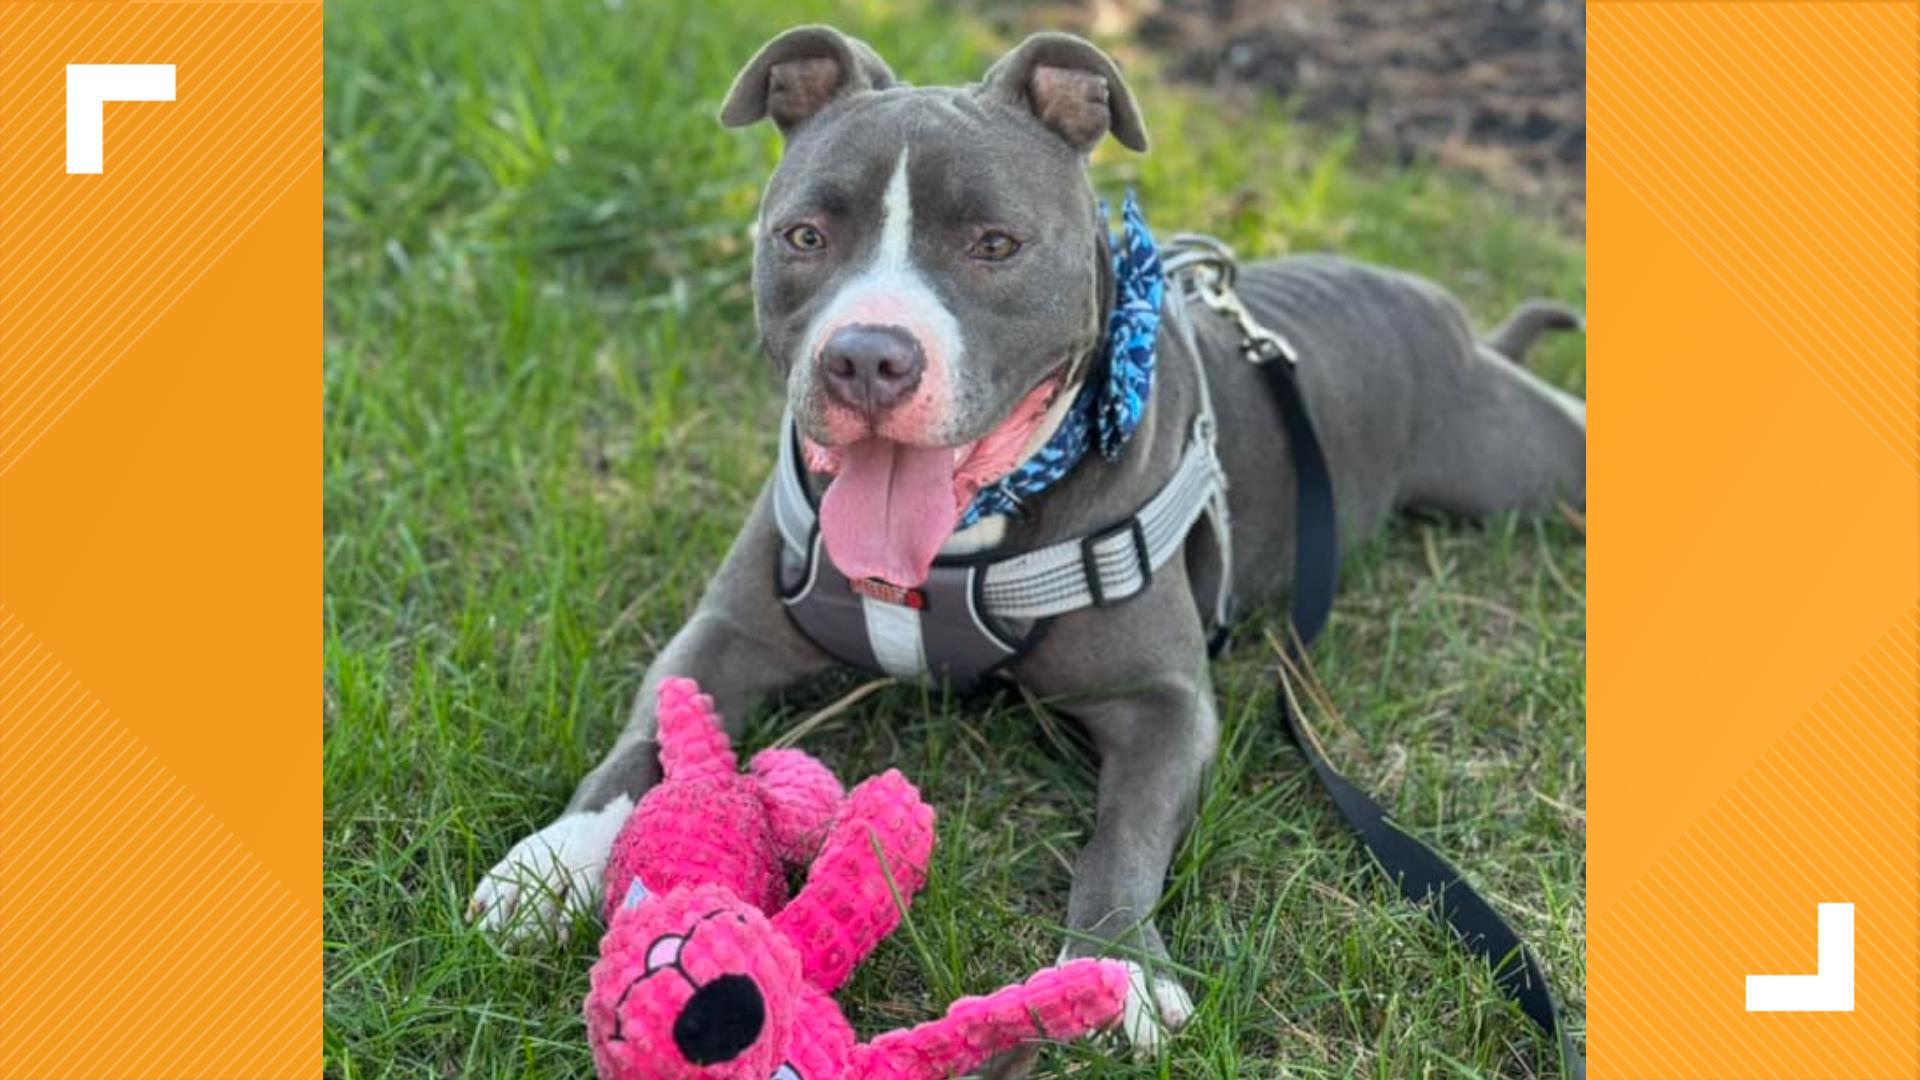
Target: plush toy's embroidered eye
[
  {"x": 994, "y": 246},
  {"x": 804, "y": 237},
  {"x": 664, "y": 952}
]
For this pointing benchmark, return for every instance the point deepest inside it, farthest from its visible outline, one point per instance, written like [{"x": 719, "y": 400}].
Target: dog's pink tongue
[{"x": 888, "y": 510}]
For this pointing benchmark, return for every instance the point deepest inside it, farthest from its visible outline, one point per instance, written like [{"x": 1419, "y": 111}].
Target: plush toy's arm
[
  {"x": 847, "y": 905},
  {"x": 1060, "y": 1003},
  {"x": 692, "y": 741}
]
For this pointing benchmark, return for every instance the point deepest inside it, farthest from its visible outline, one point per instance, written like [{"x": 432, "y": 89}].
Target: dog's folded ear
[
  {"x": 1071, "y": 87},
  {"x": 799, "y": 73}
]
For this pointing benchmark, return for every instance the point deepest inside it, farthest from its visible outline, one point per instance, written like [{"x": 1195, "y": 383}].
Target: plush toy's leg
[
  {"x": 847, "y": 905},
  {"x": 1060, "y": 1003}
]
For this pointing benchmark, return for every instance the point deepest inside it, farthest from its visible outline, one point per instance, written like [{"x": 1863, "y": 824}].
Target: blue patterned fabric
[{"x": 1114, "y": 396}]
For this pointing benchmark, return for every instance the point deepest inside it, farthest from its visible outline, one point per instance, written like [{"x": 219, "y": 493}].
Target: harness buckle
[
  {"x": 1258, "y": 344},
  {"x": 1207, "y": 271},
  {"x": 1090, "y": 559}
]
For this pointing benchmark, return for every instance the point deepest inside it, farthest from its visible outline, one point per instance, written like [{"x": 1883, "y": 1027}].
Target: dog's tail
[{"x": 1531, "y": 319}]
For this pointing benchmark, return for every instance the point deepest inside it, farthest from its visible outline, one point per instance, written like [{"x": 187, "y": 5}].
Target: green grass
[{"x": 546, "y": 416}]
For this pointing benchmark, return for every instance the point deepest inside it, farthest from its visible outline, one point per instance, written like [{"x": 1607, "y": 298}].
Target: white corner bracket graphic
[
  {"x": 89, "y": 88},
  {"x": 1828, "y": 990}
]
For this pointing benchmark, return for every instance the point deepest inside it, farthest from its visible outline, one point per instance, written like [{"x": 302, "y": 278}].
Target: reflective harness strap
[
  {"x": 1181, "y": 263},
  {"x": 1118, "y": 562},
  {"x": 1423, "y": 876},
  {"x": 793, "y": 510}
]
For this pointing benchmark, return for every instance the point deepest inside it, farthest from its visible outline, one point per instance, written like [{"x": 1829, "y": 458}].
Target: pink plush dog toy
[{"x": 707, "y": 972}]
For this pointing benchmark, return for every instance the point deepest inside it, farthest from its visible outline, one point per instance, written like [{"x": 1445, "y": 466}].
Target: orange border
[
  {"x": 160, "y": 332},
  {"x": 1753, "y": 559},
  {"x": 1754, "y": 550}
]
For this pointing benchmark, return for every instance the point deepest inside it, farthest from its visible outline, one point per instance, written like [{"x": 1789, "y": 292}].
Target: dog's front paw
[
  {"x": 1157, "y": 1006},
  {"x": 548, "y": 878}
]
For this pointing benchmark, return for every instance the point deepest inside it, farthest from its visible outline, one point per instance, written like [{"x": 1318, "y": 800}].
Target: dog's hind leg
[{"x": 1494, "y": 436}]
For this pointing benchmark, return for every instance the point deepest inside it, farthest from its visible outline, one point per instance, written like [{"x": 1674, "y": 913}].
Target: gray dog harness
[{"x": 973, "y": 614}]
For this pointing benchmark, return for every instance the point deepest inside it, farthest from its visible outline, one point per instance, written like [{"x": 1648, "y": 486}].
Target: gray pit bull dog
[{"x": 932, "y": 281}]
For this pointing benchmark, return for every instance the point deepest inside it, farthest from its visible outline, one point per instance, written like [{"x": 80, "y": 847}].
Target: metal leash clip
[{"x": 1205, "y": 268}]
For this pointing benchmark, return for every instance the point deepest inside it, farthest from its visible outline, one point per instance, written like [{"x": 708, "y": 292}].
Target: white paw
[
  {"x": 1157, "y": 1006},
  {"x": 549, "y": 877}
]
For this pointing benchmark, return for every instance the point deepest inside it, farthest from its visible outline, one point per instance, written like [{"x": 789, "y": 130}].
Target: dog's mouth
[{"x": 891, "y": 505}]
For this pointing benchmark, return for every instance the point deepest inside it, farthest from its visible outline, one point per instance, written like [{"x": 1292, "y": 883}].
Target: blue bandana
[{"x": 1114, "y": 396}]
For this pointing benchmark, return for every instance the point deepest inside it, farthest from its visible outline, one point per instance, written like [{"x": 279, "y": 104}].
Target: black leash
[{"x": 1423, "y": 875}]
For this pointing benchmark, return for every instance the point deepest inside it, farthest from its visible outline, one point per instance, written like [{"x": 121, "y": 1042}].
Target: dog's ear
[
  {"x": 799, "y": 73},
  {"x": 1071, "y": 87}
]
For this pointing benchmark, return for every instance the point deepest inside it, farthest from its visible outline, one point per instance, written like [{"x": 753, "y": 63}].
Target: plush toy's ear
[
  {"x": 693, "y": 742},
  {"x": 1071, "y": 87},
  {"x": 799, "y": 73}
]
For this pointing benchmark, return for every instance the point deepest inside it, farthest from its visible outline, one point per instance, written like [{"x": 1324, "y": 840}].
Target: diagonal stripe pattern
[
  {"x": 1825, "y": 815},
  {"x": 93, "y": 261},
  {"x": 162, "y": 928},
  {"x": 1777, "y": 139}
]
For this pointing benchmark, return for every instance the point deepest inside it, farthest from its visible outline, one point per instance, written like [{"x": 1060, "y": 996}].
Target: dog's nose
[
  {"x": 720, "y": 1020},
  {"x": 871, "y": 368}
]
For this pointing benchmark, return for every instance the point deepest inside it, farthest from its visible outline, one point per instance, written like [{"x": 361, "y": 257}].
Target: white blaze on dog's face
[
  {"x": 888, "y": 294},
  {"x": 930, "y": 275}
]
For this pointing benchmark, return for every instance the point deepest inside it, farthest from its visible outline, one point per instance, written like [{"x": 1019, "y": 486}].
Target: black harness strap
[{"x": 1423, "y": 875}]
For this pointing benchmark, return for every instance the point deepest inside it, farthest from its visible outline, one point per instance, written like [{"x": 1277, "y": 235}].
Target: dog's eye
[
  {"x": 994, "y": 246},
  {"x": 804, "y": 238}
]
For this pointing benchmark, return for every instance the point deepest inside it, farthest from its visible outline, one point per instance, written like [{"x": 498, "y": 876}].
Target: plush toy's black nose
[{"x": 720, "y": 1020}]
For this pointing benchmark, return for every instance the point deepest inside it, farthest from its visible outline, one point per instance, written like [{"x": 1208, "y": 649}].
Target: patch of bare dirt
[{"x": 1495, "y": 88}]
